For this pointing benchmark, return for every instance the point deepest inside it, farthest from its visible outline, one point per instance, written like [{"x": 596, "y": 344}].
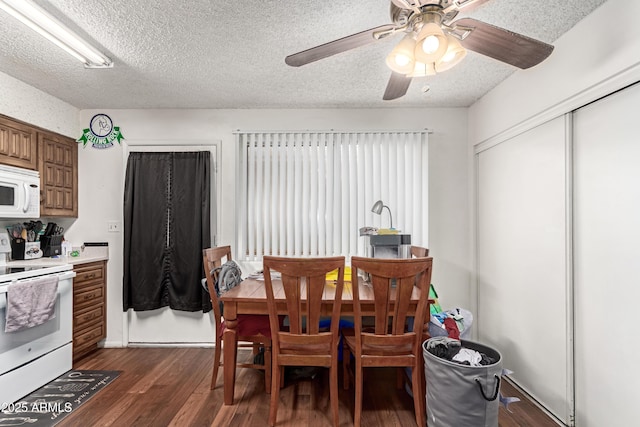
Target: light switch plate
[{"x": 113, "y": 226}]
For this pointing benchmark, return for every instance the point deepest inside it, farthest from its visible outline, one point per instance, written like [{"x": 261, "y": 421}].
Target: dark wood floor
[{"x": 170, "y": 387}]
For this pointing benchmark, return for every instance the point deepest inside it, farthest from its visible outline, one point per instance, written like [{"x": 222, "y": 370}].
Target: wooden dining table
[{"x": 249, "y": 297}]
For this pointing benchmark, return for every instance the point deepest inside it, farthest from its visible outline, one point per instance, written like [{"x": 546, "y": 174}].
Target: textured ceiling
[{"x": 230, "y": 54}]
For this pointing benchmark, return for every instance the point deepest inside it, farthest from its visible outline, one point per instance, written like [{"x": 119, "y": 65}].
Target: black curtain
[{"x": 166, "y": 226}]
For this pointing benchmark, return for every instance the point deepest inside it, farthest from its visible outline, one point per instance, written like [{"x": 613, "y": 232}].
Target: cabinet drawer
[
  {"x": 88, "y": 273},
  {"x": 90, "y": 315},
  {"x": 89, "y": 295},
  {"x": 89, "y": 336}
]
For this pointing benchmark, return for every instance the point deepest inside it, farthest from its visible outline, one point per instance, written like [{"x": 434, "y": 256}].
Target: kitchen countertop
[{"x": 89, "y": 254}]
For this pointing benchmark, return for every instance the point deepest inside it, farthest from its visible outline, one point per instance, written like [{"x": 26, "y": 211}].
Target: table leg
[{"x": 230, "y": 350}]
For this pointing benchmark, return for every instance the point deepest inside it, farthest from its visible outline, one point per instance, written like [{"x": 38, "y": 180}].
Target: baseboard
[
  {"x": 111, "y": 344},
  {"x": 171, "y": 344}
]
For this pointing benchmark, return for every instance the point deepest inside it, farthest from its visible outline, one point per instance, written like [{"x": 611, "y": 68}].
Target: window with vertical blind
[{"x": 308, "y": 193}]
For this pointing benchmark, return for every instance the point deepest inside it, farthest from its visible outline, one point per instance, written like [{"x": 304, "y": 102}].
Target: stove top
[{"x": 9, "y": 273}]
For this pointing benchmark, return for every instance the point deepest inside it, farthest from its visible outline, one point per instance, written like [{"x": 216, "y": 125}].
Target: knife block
[
  {"x": 17, "y": 248},
  {"x": 51, "y": 245}
]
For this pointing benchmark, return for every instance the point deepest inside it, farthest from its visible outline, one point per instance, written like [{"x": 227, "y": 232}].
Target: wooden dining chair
[
  {"x": 253, "y": 331},
  {"x": 419, "y": 252},
  {"x": 393, "y": 283},
  {"x": 304, "y": 344}
]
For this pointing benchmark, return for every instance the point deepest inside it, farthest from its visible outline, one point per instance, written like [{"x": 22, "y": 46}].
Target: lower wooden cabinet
[{"x": 89, "y": 307}]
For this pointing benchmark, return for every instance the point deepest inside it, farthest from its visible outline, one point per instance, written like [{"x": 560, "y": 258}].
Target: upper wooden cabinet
[
  {"x": 58, "y": 166},
  {"x": 18, "y": 144},
  {"x": 54, "y": 155}
]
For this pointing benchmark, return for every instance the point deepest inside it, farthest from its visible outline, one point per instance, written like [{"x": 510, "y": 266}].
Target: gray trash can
[{"x": 462, "y": 395}]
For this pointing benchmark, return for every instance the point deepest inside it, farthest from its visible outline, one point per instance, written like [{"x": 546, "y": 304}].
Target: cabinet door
[
  {"x": 58, "y": 165},
  {"x": 18, "y": 144}
]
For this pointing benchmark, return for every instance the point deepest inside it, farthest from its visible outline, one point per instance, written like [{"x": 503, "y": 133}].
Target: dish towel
[{"x": 31, "y": 303}]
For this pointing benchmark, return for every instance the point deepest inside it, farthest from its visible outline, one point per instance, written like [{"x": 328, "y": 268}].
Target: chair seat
[{"x": 250, "y": 325}]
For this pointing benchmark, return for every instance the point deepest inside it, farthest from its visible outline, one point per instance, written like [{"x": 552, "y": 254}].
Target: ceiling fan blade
[
  {"x": 337, "y": 46},
  {"x": 503, "y": 45},
  {"x": 397, "y": 86}
]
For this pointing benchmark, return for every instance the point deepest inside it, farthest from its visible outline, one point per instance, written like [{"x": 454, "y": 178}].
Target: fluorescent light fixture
[{"x": 36, "y": 18}]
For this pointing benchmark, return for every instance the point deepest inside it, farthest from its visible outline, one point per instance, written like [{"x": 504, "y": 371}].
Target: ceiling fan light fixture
[
  {"x": 401, "y": 59},
  {"x": 422, "y": 69},
  {"x": 432, "y": 43},
  {"x": 454, "y": 54}
]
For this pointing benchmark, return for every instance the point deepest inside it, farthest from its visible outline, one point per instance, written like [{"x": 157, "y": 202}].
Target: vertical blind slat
[
  {"x": 251, "y": 201},
  {"x": 318, "y": 215},
  {"x": 259, "y": 185}
]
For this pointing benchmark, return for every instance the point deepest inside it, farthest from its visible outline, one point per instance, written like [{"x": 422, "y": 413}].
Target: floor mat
[{"x": 51, "y": 403}]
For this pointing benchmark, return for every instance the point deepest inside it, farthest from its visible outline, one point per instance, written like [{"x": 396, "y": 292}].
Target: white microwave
[{"x": 19, "y": 192}]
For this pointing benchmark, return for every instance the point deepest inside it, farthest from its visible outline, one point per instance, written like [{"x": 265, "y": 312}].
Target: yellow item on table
[
  {"x": 388, "y": 231},
  {"x": 332, "y": 276}
]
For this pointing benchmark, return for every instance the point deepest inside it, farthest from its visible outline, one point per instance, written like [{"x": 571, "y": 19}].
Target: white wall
[
  {"x": 102, "y": 172},
  {"x": 23, "y": 102}
]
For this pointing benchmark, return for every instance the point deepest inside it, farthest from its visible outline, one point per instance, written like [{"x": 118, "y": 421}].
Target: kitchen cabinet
[
  {"x": 18, "y": 144},
  {"x": 89, "y": 307},
  {"x": 53, "y": 155},
  {"x": 58, "y": 166}
]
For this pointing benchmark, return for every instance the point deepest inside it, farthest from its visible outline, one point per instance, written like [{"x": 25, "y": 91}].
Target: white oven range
[{"x": 32, "y": 357}]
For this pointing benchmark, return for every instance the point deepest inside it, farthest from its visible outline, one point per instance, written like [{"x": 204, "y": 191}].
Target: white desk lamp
[{"x": 377, "y": 209}]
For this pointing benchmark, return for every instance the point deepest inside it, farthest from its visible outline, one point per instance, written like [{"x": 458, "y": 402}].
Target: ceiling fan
[{"x": 433, "y": 42}]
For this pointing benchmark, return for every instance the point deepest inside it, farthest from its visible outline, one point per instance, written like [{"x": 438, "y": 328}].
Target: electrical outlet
[{"x": 113, "y": 226}]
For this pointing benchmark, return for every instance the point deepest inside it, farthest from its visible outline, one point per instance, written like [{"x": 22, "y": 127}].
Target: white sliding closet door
[
  {"x": 607, "y": 260},
  {"x": 523, "y": 283}
]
